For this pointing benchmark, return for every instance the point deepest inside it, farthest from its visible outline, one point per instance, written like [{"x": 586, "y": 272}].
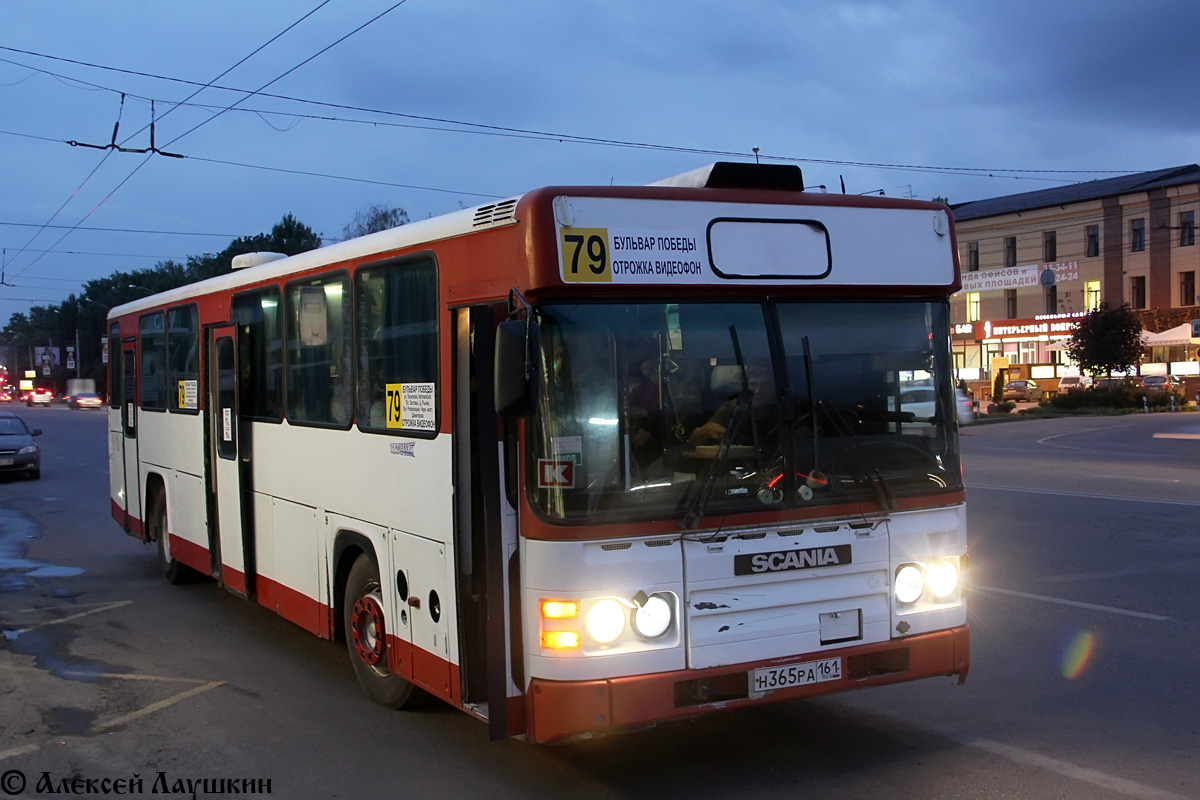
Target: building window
[
  {"x": 973, "y": 307},
  {"x": 1187, "y": 288},
  {"x": 1093, "y": 241},
  {"x": 973, "y": 257},
  {"x": 1187, "y": 228},
  {"x": 1050, "y": 246},
  {"x": 1137, "y": 235},
  {"x": 1010, "y": 251},
  {"x": 1137, "y": 291},
  {"x": 1091, "y": 295},
  {"x": 1052, "y": 300},
  {"x": 1010, "y": 303}
]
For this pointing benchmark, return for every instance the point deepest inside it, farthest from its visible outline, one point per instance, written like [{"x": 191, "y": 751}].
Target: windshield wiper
[
  {"x": 699, "y": 500},
  {"x": 741, "y": 404}
]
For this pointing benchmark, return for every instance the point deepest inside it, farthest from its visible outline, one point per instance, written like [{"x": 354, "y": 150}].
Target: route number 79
[{"x": 585, "y": 255}]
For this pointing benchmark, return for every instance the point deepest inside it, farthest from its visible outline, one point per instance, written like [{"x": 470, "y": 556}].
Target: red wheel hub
[{"x": 366, "y": 624}]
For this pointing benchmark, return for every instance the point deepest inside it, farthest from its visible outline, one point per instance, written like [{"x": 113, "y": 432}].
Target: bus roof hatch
[{"x": 732, "y": 175}]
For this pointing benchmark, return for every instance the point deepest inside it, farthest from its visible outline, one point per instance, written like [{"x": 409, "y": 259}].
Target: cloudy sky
[{"x": 442, "y": 104}]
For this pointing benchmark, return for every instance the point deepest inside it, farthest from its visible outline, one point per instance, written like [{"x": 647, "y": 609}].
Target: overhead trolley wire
[
  {"x": 501, "y": 130},
  {"x": 257, "y": 50}
]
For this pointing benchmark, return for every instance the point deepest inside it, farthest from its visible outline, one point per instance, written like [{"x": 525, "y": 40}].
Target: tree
[
  {"x": 943, "y": 200},
  {"x": 374, "y": 218},
  {"x": 1107, "y": 339}
]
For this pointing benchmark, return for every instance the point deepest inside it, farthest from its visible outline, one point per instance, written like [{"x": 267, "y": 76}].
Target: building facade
[{"x": 1033, "y": 263}]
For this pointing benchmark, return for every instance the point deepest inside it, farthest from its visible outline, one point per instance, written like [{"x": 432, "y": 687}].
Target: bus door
[
  {"x": 485, "y": 526},
  {"x": 134, "y": 519},
  {"x": 223, "y": 464}
]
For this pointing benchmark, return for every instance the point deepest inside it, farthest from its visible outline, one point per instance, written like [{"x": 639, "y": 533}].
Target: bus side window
[{"x": 397, "y": 304}]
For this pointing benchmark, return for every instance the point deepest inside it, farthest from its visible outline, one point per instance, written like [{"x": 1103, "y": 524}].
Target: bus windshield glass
[{"x": 651, "y": 411}]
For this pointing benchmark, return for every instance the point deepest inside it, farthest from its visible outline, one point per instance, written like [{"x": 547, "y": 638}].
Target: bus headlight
[
  {"x": 605, "y": 621},
  {"x": 942, "y": 577},
  {"x": 910, "y": 584},
  {"x": 653, "y": 616}
]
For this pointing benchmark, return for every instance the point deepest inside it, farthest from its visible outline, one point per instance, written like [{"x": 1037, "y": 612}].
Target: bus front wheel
[{"x": 366, "y": 638}]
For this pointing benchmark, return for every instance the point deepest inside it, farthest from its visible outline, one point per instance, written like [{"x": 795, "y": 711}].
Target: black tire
[
  {"x": 35, "y": 474},
  {"x": 174, "y": 572},
  {"x": 366, "y": 639}
]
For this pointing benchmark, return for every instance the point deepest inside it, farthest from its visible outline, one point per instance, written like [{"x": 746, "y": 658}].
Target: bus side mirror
[{"x": 516, "y": 368}]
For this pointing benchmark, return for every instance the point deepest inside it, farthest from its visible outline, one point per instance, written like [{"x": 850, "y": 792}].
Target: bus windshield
[{"x": 680, "y": 410}]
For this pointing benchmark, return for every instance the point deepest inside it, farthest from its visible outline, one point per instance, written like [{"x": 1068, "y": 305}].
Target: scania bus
[{"x": 583, "y": 460}]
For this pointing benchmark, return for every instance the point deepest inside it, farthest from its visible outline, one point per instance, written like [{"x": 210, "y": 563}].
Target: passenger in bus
[
  {"x": 645, "y": 418},
  {"x": 763, "y": 413}
]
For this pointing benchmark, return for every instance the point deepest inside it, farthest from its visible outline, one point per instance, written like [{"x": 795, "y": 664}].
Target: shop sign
[{"x": 1024, "y": 328}]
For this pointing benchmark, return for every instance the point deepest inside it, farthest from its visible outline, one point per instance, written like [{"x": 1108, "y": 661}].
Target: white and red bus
[{"x": 586, "y": 459}]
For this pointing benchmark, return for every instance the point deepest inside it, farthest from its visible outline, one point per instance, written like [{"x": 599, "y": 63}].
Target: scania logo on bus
[{"x": 784, "y": 560}]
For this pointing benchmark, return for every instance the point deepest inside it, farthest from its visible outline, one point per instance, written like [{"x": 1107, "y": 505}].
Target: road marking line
[
  {"x": 1177, "y": 436},
  {"x": 83, "y": 673},
  {"x": 1047, "y": 439},
  {"x": 1019, "y": 755},
  {"x": 160, "y": 705},
  {"x": 109, "y": 607},
  {"x": 1073, "y": 771},
  {"x": 18, "y": 751},
  {"x": 38, "y": 609},
  {"x": 1086, "y": 495},
  {"x": 1074, "y": 603}
]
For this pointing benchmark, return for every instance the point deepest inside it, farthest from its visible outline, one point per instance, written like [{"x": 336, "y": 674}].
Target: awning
[{"x": 1179, "y": 335}]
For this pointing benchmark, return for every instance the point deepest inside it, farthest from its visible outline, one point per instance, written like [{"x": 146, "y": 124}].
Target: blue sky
[{"x": 965, "y": 100}]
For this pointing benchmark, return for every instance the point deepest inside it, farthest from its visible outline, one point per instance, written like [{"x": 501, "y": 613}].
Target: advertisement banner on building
[{"x": 1018, "y": 277}]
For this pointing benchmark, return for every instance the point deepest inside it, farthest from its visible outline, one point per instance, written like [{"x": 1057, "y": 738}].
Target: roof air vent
[
  {"x": 495, "y": 213},
  {"x": 246, "y": 260}
]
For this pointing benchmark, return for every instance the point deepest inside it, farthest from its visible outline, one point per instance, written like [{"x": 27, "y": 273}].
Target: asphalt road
[{"x": 1085, "y": 613}]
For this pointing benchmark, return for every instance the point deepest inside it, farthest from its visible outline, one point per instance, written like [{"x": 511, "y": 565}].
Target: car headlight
[
  {"x": 33, "y": 448},
  {"x": 910, "y": 583},
  {"x": 942, "y": 577},
  {"x": 605, "y": 620},
  {"x": 653, "y": 617}
]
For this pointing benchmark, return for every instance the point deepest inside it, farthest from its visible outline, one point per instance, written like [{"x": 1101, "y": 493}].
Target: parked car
[
  {"x": 18, "y": 451},
  {"x": 1022, "y": 390},
  {"x": 1112, "y": 383},
  {"x": 1161, "y": 383},
  {"x": 1069, "y": 382},
  {"x": 40, "y": 397},
  {"x": 85, "y": 400},
  {"x": 921, "y": 401}
]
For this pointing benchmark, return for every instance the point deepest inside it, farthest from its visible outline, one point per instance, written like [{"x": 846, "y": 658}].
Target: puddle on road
[{"x": 16, "y": 532}]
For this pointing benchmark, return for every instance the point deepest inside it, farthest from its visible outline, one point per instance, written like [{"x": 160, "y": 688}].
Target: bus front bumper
[{"x": 562, "y": 710}]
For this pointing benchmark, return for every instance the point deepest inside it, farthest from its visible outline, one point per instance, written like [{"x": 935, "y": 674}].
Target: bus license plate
[{"x": 768, "y": 679}]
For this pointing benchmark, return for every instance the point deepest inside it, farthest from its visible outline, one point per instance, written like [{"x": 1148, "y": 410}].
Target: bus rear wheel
[
  {"x": 366, "y": 638},
  {"x": 172, "y": 570}
]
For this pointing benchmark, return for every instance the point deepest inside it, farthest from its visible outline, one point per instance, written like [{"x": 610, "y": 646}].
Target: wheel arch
[
  {"x": 348, "y": 545},
  {"x": 156, "y": 486}
]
